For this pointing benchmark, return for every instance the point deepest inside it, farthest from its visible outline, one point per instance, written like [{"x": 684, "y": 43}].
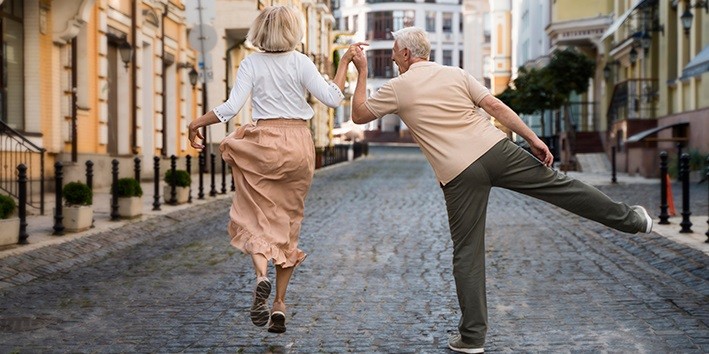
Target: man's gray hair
[{"x": 415, "y": 39}]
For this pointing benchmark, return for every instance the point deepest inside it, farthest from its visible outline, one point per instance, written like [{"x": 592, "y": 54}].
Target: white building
[{"x": 373, "y": 21}]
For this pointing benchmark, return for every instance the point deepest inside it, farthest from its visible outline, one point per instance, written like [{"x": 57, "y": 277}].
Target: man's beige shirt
[{"x": 439, "y": 105}]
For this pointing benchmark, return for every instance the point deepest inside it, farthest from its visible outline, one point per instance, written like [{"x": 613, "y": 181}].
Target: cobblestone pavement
[{"x": 378, "y": 279}]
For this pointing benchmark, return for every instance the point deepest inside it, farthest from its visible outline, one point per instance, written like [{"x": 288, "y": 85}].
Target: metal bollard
[
  {"x": 156, "y": 178},
  {"x": 173, "y": 168},
  {"x": 136, "y": 168},
  {"x": 664, "y": 217},
  {"x": 613, "y": 152},
  {"x": 58, "y": 218},
  {"x": 90, "y": 174},
  {"x": 22, "y": 202},
  {"x": 114, "y": 190},
  {"x": 684, "y": 175},
  {"x": 223, "y": 176},
  {"x": 213, "y": 189},
  {"x": 202, "y": 162},
  {"x": 188, "y": 167}
]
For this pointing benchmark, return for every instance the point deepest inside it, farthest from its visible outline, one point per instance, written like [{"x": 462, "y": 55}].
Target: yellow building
[
  {"x": 657, "y": 74},
  {"x": 93, "y": 80}
]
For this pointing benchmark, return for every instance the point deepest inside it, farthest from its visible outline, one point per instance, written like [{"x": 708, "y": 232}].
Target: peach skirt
[{"x": 273, "y": 162}]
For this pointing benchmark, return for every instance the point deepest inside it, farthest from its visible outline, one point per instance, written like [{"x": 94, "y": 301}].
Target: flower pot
[
  {"x": 182, "y": 194},
  {"x": 77, "y": 218},
  {"x": 130, "y": 207},
  {"x": 9, "y": 231}
]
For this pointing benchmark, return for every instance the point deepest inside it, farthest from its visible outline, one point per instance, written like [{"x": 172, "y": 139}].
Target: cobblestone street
[{"x": 378, "y": 278}]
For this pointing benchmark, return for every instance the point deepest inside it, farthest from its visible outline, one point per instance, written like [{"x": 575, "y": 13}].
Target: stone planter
[
  {"x": 9, "y": 231},
  {"x": 77, "y": 218},
  {"x": 182, "y": 194},
  {"x": 130, "y": 207}
]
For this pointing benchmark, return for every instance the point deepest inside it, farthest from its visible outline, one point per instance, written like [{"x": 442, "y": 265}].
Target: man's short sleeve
[
  {"x": 477, "y": 90},
  {"x": 383, "y": 101}
]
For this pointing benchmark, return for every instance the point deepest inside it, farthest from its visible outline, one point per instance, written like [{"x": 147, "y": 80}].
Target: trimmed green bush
[
  {"x": 129, "y": 187},
  {"x": 77, "y": 193},
  {"x": 7, "y": 206},
  {"x": 181, "y": 178}
]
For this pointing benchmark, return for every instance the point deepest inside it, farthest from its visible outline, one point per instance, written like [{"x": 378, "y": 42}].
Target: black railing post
[
  {"x": 684, "y": 175},
  {"x": 156, "y": 179},
  {"x": 22, "y": 202},
  {"x": 223, "y": 176},
  {"x": 114, "y": 190},
  {"x": 136, "y": 168},
  {"x": 173, "y": 168},
  {"x": 58, "y": 217},
  {"x": 90, "y": 174},
  {"x": 213, "y": 187},
  {"x": 202, "y": 164},
  {"x": 188, "y": 167},
  {"x": 613, "y": 153},
  {"x": 664, "y": 216}
]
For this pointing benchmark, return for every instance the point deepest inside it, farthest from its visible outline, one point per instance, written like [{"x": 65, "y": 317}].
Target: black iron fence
[{"x": 16, "y": 149}]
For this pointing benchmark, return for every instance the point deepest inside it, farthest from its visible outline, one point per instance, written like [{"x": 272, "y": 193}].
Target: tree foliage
[{"x": 536, "y": 90}]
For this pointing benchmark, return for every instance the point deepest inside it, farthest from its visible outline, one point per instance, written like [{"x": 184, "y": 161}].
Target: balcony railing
[
  {"x": 585, "y": 116},
  {"x": 633, "y": 99},
  {"x": 16, "y": 149}
]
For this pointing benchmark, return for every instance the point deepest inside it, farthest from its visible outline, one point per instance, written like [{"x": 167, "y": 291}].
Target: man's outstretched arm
[{"x": 360, "y": 112}]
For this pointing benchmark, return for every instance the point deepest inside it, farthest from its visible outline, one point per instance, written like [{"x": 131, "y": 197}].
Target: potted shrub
[
  {"x": 182, "y": 182},
  {"x": 78, "y": 213},
  {"x": 9, "y": 223},
  {"x": 130, "y": 198}
]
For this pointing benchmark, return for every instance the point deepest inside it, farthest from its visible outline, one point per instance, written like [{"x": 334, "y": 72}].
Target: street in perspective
[{"x": 377, "y": 279}]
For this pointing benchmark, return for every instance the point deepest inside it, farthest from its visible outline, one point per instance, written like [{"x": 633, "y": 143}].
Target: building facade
[
  {"x": 94, "y": 80},
  {"x": 373, "y": 21}
]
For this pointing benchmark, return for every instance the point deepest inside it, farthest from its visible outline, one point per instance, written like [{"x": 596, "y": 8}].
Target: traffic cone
[{"x": 670, "y": 200}]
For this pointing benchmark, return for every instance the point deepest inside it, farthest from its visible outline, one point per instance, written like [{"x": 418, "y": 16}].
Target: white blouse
[{"x": 277, "y": 83}]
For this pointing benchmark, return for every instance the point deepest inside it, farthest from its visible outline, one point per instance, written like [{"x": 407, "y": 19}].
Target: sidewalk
[{"x": 40, "y": 227}]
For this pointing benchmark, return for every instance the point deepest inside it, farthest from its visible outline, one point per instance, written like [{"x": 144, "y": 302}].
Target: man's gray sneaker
[
  {"x": 456, "y": 344},
  {"x": 648, "y": 220}
]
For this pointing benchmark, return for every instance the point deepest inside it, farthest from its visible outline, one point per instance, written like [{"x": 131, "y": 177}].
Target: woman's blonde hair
[
  {"x": 415, "y": 39},
  {"x": 277, "y": 29}
]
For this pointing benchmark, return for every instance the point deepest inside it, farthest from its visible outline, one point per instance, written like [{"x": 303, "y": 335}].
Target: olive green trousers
[{"x": 506, "y": 165}]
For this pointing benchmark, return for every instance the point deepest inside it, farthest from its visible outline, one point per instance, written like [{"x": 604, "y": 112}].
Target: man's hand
[
  {"x": 352, "y": 51},
  {"x": 360, "y": 61},
  {"x": 541, "y": 151}
]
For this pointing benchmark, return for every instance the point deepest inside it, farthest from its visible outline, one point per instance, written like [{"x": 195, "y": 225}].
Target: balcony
[{"x": 633, "y": 99}]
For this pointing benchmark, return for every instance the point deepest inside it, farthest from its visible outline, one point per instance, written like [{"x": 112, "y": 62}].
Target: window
[
  {"x": 447, "y": 22},
  {"x": 460, "y": 59},
  {"x": 447, "y": 57},
  {"x": 433, "y": 55},
  {"x": 380, "y": 63},
  {"x": 380, "y": 25},
  {"x": 430, "y": 21},
  {"x": 355, "y": 23},
  {"x": 12, "y": 85},
  {"x": 403, "y": 19}
]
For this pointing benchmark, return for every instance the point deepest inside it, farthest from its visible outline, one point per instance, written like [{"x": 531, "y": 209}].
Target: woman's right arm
[{"x": 222, "y": 113}]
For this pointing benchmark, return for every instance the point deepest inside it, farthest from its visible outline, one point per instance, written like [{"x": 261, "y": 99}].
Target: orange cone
[{"x": 670, "y": 201}]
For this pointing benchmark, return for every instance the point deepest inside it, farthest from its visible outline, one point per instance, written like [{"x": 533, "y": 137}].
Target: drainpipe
[
  {"x": 134, "y": 75},
  {"x": 74, "y": 138},
  {"x": 164, "y": 86}
]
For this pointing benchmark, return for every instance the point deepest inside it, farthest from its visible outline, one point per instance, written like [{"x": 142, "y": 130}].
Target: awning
[
  {"x": 698, "y": 65},
  {"x": 619, "y": 21},
  {"x": 645, "y": 133}
]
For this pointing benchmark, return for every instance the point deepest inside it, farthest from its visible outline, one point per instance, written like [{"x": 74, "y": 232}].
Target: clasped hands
[{"x": 355, "y": 54}]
